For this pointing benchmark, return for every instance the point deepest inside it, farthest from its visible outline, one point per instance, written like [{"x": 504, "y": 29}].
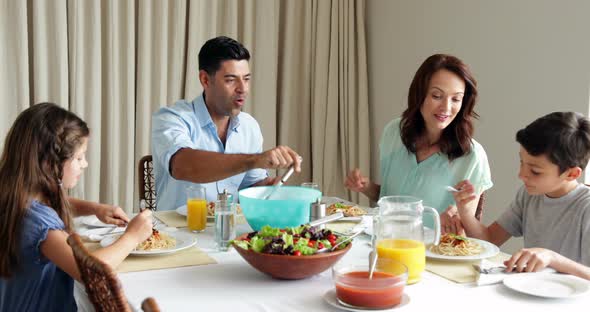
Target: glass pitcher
[{"x": 399, "y": 235}]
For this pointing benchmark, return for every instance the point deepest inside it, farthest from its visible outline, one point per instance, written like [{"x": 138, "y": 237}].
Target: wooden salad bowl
[{"x": 291, "y": 267}]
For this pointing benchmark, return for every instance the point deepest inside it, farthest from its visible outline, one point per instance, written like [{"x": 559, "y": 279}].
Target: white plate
[
  {"x": 332, "y": 200},
  {"x": 94, "y": 222},
  {"x": 183, "y": 241},
  {"x": 330, "y": 298},
  {"x": 548, "y": 285},
  {"x": 489, "y": 250},
  {"x": 182, "y": 211}
]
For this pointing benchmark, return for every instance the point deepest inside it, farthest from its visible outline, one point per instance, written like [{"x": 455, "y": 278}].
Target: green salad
[{"x": 295, "y": 241}]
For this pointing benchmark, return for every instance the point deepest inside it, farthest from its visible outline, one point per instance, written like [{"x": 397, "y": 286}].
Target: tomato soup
[{"x": 356, "y": 289}]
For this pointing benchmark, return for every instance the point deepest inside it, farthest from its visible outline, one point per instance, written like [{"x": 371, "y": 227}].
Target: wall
[{"x": 530, "y": 58}]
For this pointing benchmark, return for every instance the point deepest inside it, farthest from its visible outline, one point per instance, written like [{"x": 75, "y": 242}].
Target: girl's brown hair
[
  {"x": 455, "y": 140},
  {"x": 37, "y": 145}
]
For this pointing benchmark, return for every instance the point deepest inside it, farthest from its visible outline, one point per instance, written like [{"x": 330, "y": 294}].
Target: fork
[
  {"x": 451, "y": 189},
  {"x": 142, "y": 207}
]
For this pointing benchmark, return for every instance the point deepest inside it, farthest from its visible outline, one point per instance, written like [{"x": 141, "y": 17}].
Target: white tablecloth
[{"x": 233, "y": 285}]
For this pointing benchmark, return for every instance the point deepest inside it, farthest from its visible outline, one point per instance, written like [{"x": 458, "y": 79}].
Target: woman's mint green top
[{"x": 401, "y": 174}]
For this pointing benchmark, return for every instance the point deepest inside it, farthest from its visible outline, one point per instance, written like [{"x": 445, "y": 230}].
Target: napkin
[
  {"x": 460, "y": 271},
  {"x": 497, "y": 273}
]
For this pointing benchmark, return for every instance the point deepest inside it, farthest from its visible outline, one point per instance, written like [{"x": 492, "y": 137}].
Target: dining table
[{"x": 231, "y": 284}]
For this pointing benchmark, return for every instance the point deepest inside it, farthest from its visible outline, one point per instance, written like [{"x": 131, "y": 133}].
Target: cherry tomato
[
  {"x": 331, "y": 237},
  {"x": 296, "y": 253},
  {"x": 311, "y": 243},
  {"x": 320, "y": 245},
  {"x": 282, "y": 231}
]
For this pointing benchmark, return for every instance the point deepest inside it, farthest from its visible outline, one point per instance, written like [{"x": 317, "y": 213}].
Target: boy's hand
[
  {"x": 450, "y": 222},
  {"x": 530, "y": 260},
  {"x": 465, "y": 195}
]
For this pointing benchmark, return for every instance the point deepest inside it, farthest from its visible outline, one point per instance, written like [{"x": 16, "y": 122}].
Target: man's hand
[
  {"x": 111, "y": 214},
  {"x": 279, "y": 157}
]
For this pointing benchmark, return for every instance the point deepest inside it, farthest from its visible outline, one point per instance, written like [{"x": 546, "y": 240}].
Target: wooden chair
[
  {"x": 102, "y": 284},
  {"x": 480, "y": 204},
  {"x": 147, "y": 182},
  {"x": 150, "y": 305}
]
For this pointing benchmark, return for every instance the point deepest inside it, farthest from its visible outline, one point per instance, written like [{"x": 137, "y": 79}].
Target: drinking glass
[{"x": 196, "y": 208}]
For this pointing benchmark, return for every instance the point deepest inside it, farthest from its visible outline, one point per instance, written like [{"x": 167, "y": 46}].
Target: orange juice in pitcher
[
  {"x": 398, "y": 233},
  {"x": 410, "y": 252}
]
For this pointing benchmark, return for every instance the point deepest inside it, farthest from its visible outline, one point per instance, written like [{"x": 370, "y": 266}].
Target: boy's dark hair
[
  {"x": 220, "y": 49},
  {"x": 564, "y": 137}
]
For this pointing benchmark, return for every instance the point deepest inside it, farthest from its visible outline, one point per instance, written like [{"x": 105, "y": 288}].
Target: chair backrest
[
  {"x": 102, "y": 285},
  {"x": 150, "y": 305},
  {"x": 147, "y": 182},
  {"x": 480, "y": 204}
]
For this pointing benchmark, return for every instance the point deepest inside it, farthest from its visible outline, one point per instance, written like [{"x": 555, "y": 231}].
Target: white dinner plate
[
  {"x": 330, "y": 298},
  {"x": 489, "y": 250},
  {"x": 94, "y": 222},
  {"x": 332, "y": 200},
  {"x": 548, "y": 285},
  {"x": 183, "y": 241}
]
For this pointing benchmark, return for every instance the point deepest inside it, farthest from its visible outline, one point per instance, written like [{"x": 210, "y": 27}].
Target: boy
[{"x": 551, "y": 210}]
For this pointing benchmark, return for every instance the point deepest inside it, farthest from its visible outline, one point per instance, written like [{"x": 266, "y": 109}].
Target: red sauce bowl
[{"x": 355, "y": 289}]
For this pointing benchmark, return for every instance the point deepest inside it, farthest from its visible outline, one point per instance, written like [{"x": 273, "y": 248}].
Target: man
[{"x": 210, "y": 141}]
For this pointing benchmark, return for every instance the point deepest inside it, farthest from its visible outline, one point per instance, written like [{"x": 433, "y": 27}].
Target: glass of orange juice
[
  {"x": 196, "y": 208},
  {"x": 410, "y": 252}
]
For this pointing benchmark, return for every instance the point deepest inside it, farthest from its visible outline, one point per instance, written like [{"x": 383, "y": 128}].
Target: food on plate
[
  {"x": 456, "y": 245},
  {"x": 211, "y": 209},
  {"x": 157, "y": 241},
  {"x": 347, "y": 210},
  {"x": 295, "y": 241}
]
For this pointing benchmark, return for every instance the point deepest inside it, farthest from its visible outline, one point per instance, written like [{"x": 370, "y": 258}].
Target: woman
[
  {"x": 43, "y": 157},
  {"x": 431, "y": 146}
]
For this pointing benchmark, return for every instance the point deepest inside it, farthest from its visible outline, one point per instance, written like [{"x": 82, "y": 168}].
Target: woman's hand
[
  {"x": 530, "y": 260},
  {"x": 111, "y": 214},
  {"x": 140, "y": 227},
  {"x": 450, "y": 222},
  {"x": 465, "y": 195},
  {"x": 356, "y": 182}
]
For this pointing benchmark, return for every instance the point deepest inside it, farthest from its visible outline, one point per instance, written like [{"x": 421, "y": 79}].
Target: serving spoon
[{"x": 323, "y": 250}]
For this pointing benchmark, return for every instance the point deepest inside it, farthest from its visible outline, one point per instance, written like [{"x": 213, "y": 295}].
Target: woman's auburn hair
[
  {"x": 455, "y": 140},
  {"x": 42, "y": 138}
]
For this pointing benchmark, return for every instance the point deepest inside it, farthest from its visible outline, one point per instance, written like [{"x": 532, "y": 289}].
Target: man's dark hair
[
  {"x": 564, "y": 137},
  {"x": 220, "y": 49}
]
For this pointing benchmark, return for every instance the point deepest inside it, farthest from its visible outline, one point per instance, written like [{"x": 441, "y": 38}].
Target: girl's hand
[
  {"x": 465, "y": 195},
  {"x": 530, "y": 260},
  {"x": 111, "y": 215},
  {"x": 356, "y": 182},
  {"x": 140, "y": 227},
  {"x": 450, "y": 222}
]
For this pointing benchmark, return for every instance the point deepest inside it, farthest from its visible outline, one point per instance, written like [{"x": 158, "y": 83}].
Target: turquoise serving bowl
[{"x": 288, "y": 206}]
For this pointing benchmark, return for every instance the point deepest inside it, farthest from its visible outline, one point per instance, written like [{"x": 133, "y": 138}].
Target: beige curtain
[{"x": 115, "y": 62}]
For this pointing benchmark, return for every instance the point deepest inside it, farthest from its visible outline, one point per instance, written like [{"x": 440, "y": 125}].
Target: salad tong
[{"x": 282, "y": 181}]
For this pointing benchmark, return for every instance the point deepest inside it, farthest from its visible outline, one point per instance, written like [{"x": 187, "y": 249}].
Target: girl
[
  {"x": 431, "y": 145},
  {"x": 44, "y": 155}
]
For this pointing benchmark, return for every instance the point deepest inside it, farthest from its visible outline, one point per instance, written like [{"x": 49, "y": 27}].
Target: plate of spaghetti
[
  {"x": 457, "y": 247},
  {"x": 159, "y": 243},
  {"x": 351, "y": 211}
]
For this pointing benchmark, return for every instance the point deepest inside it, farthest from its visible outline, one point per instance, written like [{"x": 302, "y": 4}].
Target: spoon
[
  {"x": 372, "y": 263},
  {"x": 282, "y": 180},
  {"x": 340, "y": 243},
  {"x": 326, "y": 219}
]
